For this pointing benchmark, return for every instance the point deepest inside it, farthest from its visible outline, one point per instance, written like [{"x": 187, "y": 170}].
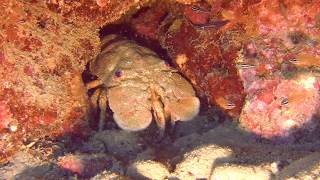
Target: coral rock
[
  {"x": 199, "y": 162},
  {"x": 147, "y": 170},
  {"x": 41, "y": 89},
  {"x": 6, "y": 117},
  {"x": 240, "y": 172},
  {"x": 274, "y": 65},
  {"x": 292, "y": 106},
  {"x": 199, "y": 55},
  {"x": 304, "y": 168}
]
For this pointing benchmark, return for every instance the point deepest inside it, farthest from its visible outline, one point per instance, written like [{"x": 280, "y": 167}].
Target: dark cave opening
[{"x": 126, "y": 29}]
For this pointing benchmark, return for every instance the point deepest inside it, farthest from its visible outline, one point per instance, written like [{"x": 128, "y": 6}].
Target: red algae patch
[
  {"x": 73, "y": 164},
  {"x": 147, "y": 22},
  {"x": 38, "y": 97},
  {"x": 6, "y": 118},
  {"x": 87, "y": 165},
  {"x": 207, "y": 65},
  {"x": 232, "y": 51}
]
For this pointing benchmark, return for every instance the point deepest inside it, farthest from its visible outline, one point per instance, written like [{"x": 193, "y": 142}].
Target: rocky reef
[
  {"x": 254, "y": 64},
  {"x": 256, "y": 60},
  {"x": 44, "y": 48}
]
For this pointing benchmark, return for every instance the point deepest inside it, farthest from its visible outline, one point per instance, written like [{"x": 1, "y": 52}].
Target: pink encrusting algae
[
  {"x": 282, "y": 108},
  {"x": 72, "y": 163},
  {"x": 86, "y": 165},
  {"x": 244, "y": 53}
]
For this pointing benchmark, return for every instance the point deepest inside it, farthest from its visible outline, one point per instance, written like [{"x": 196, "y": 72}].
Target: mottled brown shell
[{"x": 131, "y": 72}]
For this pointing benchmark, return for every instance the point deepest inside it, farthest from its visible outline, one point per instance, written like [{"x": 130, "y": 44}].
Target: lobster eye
[{"x": 118, "y": 73}]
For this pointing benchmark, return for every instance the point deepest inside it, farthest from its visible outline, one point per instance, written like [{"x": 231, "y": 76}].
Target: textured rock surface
[
  {"x": 42, "y": 58},
  {"x": 25, "y": 166},
  {"x": 121, "y": 144},
  {"x": 147, "y": 170},
  {"x": 279, "y": 56},
  {"x": 43, "y": 50},
  {"x": 198, "y": 163},
  {"x": 44, "y": 46},
  {"x": 223, "y": 152},
  {"x": 230, "y": 49},
  {"x": 202, "y": 45},
  {"x": 304, "y": 168},
  {"x": 100, "y": 12},
  {"x": 240, "y": 172},
  {"x": 107, "y": 175},
  {"x": 280, "y": 107},
  {"x": 247, "y": 157},
  {"x": 206, "y": 56}
]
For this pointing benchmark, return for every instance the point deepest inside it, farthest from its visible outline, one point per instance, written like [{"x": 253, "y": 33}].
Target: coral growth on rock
[
  {"x": 236, "y": 49},
  {"x": 282, "y": 93},
  {"x": 203, "y": 49},
  {"x": 6, "y": 119},
  {"x": 280, "y": 107},
  {"x": 239, "y": 55},
  {"x": 42, "y": 57},
  {"x": 44, "y": 47}
]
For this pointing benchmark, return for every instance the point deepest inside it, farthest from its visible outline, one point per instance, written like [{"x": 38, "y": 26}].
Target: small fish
[
  {"x": 225, "y": 103},
  {"x": 295, "y": 97},
  {"x": 215, "y": 25},
  {"x": 305, "y": 60},
  {"x": 284, "y": 101},
  {"x": 245, "y": 66},
  {"x": 199, "y": 9}
]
